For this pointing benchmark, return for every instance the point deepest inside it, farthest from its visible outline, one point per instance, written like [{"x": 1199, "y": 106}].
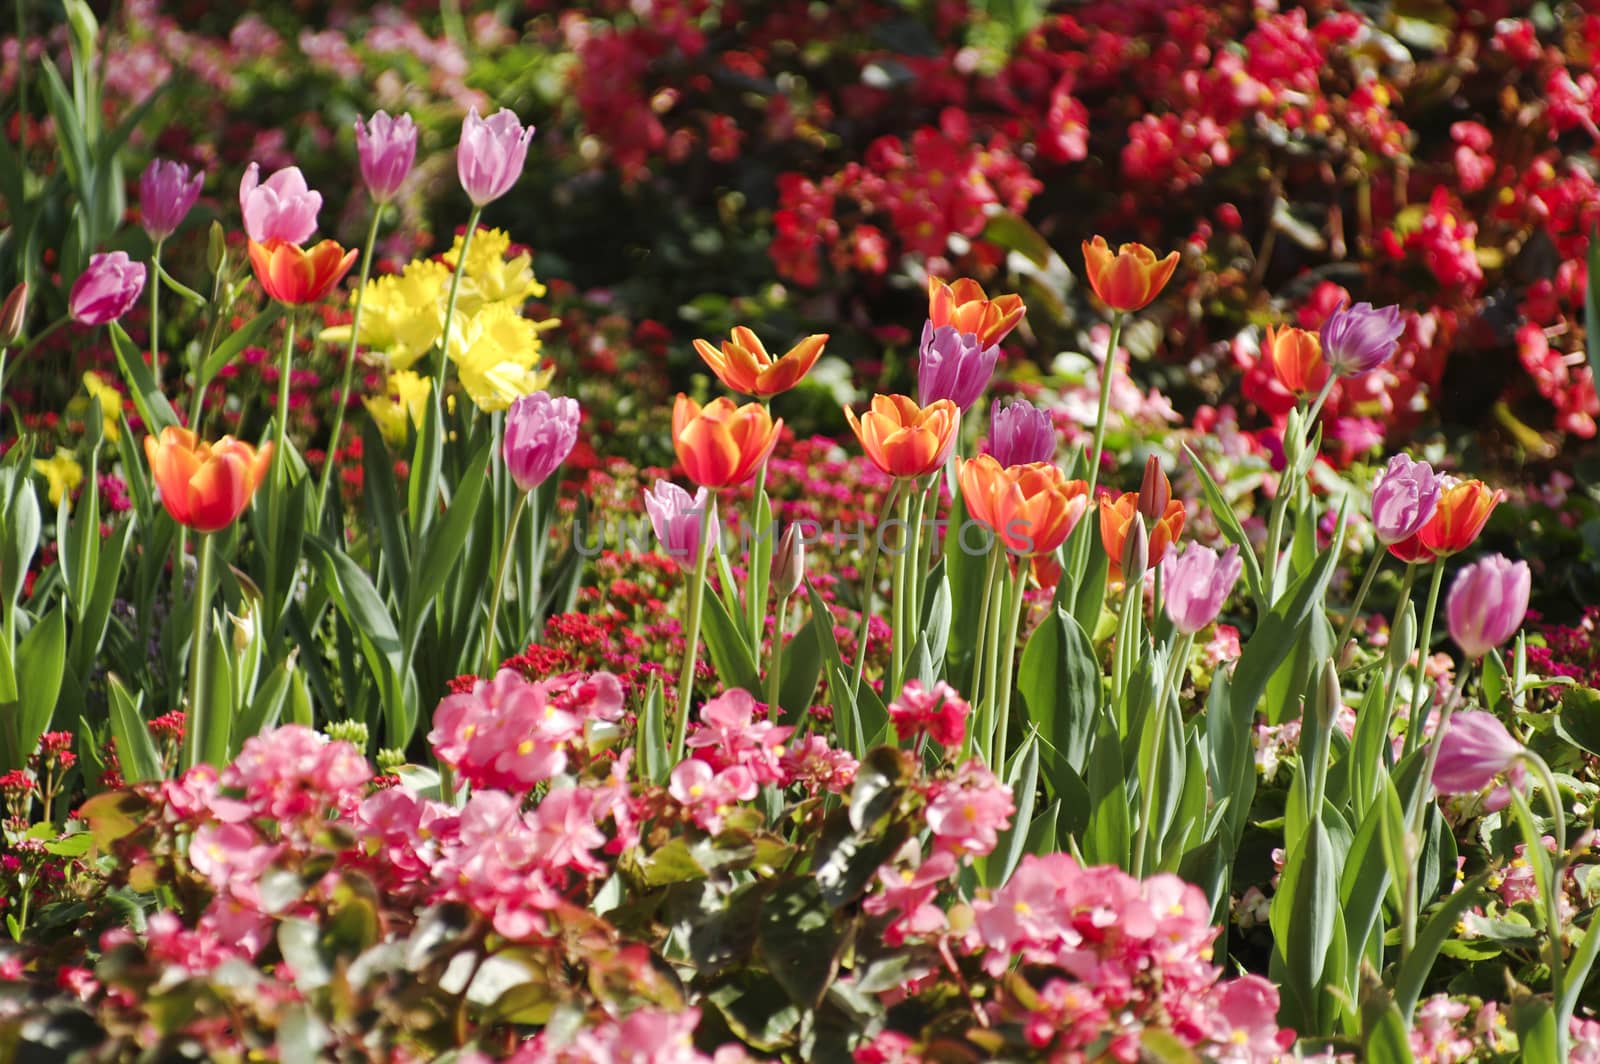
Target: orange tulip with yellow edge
[
  {"x": 294, "y": 275},
  {"x": 1128, "y": 278},
  {"x": 1032, "y": 508},
  {"x": 904, "y": 439},
  {"x": 721, "y": 445},
  {"x": 1115, "y": 519},
  {"x": 965, "y": 306},
  {"x": 1464, "y": 508},
  {"x": 205, "y": 486},
  {"x": 744, "y": 365},
  {"x": 1296, "y": 359}
]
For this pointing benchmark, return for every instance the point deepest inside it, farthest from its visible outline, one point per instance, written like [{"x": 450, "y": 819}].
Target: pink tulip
[
  {"x": 1487, "y": 603},
  {"x": 675, "y": 515},
  {"x": 387, "y": 148},
  {"x": 1020, "y": 433},
  {"x": 166, "y": 194},
  {"x": 540, "y": 432},
  {"x": 1474, "y": 749},
  {"x": 280, "y": 208},
  {"x": 107, "y": 289},
  {"x": 1197, "y": 583},
  {"x": 491, "y": 155}
]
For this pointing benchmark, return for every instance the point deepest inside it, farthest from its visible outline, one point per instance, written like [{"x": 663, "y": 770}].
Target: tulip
[
  {"x": 1031, "y": 508},
  {"x": 387, "y": 149},
  {"x": 1021, "y": 433},
  {"x": 491, "y": 154},
  {"x": 789, "y": 564},
  {"x": 1155, "y": 491},
  {"x": 280, "y": 208},
  {"x": 13, "y": 313},
  {"x": 964, "y": 306},
  {"x": 1357, "y": 340},
  {"x": 743, "y": 364},
  {"x": 1487, "y": 603},
  {"x": 1404, "y": 499},
  {"x": 166, "y": 194},
  {"x": 1295, "y": 356},
  {"x": 107, "y": 289},
  {"x": 904, "y": 439},
  {"x": 722, "y": 445},
  {"x": 295, "y": 275},
  {"x": 1464, "y": 507},
  {"x": 205, "y": 486},
  {"x": 539, "y": 434},
  {"x": 1129, "y": 279},
  {"x": 1473, "y": 749},
  {"x": 954, "y": 366},
  {"x": 1196, "y": 583},
  {"x": 1135, "y": 556},
  {"x": 1115, "y": 519}
]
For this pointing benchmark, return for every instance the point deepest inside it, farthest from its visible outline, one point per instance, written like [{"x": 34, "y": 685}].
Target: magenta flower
[
  {"x": 386, "y": 148},
  {"x": 280, "y": 208},
  {"x": 540, "y": 432},
  {"x": 166, "y": 194},
  {"x": 1487, "y": 603},
  {"x": 492, "y": 152},
  {"x": 1197, "y": 583},
  {"x": 675, "y": 515},
  {"x": 709, "y": 794},
  {"x": 107, "y": 289},
  {"x": 1357, "y": 340},
  {"x": 953, "y": 365},
  {"x": 937, "y": 711},
  {"x": 505, "y": 733},
  {"x": 1404, "y": 499},
  {"x": 1474, "y": 749},
  {"x": 967, "y": 813},
  {"x": 1021, "y": 433}
]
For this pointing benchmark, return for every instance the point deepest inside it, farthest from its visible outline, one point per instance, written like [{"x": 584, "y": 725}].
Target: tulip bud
[
  {"x": 216, "y": 248},
  {"x": 1347, "y": 656},
  {"x": 244, "y": 628},
  {"x": 12, "y": 314},
  {"x": 1155, "y": 491},
  {"x": 84, "y": 27},
  {"x": 1330, "y": 697},
  {"x": 1402, "y": 638},
  {"x": 789, "y": 564},
  {"x": 1135, "y": 549}
]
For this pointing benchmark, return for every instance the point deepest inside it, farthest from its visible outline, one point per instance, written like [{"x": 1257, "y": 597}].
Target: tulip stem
[
  {"x": 450, "y": 304},
  {"x": 1392, "y": 674},
  {"x": 902, "y": 608},
  {"x": 349, "y": 363},
  {"x": 279, "y": 457},
  {"x": 1414, "y": 816},
  {"x": 697, "y": 591},
  {"x": 1355, "y": 607},
  {"x": 1105, "y": 401},
  {"x": 1316, "y": 404},
  {"x": 507, "y": 550},
  {"x": 1158, "y": 738},
  {"x": 1014, "y": 604},
  {"x": 775, "y": 659},
  {"x": 760, "y": 559},
  {"x": 1549, "y": 887},
  {"x": 916, "y": 574},
  {"x": 199, "y": 720},
  {"x": 980, "y": 653},
  {"x": 155, "y": 313},
  {"x": 869, "y": 585},
  {"x": 1424, "y": 642}
]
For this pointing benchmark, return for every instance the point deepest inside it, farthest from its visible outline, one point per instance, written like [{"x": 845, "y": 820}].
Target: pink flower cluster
[{"x": 937, "y": 711}]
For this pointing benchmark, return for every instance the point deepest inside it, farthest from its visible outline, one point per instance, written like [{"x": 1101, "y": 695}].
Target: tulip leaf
[
  {"x": 266, "y": 708},
  {"x": 1386, "y": 1039},
  {"x": 1591, "y": 305},
  {"x": 730, "y": 654},
  {"x": 441, "y": 551},
  {"x": 1228, "y": 521},
  {"x": 1413, "y": 972},
  {"x": 1107, "y": 838},
  {"x": 146, "y": 393},
  {"x": 1023, "y": 779},
  {"x": 227, "y": 350},
  {"x": 135, "y": 750},
  {"x": 802, "y": 668},
  {"x": 383, "y": 509},
  {"x": 936, "y": 608},
  {"x": 40, "y": 666},
  {"x": 1060, "y": 682}
]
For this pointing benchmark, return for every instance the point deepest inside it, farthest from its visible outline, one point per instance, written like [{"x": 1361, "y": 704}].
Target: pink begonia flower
[
  {"x": 563, "y": 824},
  {"x": 387, "y": 148},
  {"x": 106, "y": 289},
  {"x": 1248, "y": 1007},
  {"x": 908, "y": 893},
  {"x": 1487, "y": 603},
  {"x": 645, "y": 1036},
  {"x": 729, "y": 735},
  {"x": 589, "y": 696},
  {"x": 709, "y": 794},
  {"x": 815, "y": 765},
  {"x": 504, "y": 733},
  {"x": 937, "y": 711},
  {"x": 280, "y": 208},
  {"x": 967, "y": 813},
  {"x": 491, "y": 154},
  {"x": 292, "y": 771},
  {"x": 232, "y": 858}
]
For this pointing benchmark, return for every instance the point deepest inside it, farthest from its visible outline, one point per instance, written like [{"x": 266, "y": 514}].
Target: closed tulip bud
[
  {"x": 491, "y": 154},
  {"x": 1116, "y": 520},
  {"x": 1347, "y": 655},
  {"x": 386, "y": 148},
  {"x": 1020, "y": 434},
  {"x": 721, "y": 445},
  {"x": 954, "y": 366},
  {"x": 107, "y": 289},
  {"x": 216, "y": 247},
  {"x": 789, "y": 564},
  {"x": 1487, "y": 603},
  {"x": 1330, "y": 696},
  {"x": 1129, "y": 278},
  {"x": 1404, "y": 499},
  {"x": 1402, "y": 638},
  {"x": 1196, "y": 584},
  {"x": 539, "y": 434},
  {"x": 1295, "y": 356},
  {"x": 244, "y": 628},
  {"x": 167, "y": 191},
  {"x": 282, "y": 207},
  {"x": 1474, "y": 749},
  {"x": 1135, "y": 547},
  {"x": 1155, "y": 491},
  {"x": 676, "y": 515},
  {"x": 12, "y": 314}
]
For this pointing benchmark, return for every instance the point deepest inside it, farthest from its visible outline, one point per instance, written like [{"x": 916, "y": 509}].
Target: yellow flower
[
  {"x": 405, "y": 395},
  {"x": 110, "y": 403},
  {"x": 402, "y": 314},
  {"x": 490, "y": 276},
  {"x": 497, "y": 353},
  {"x": 62, "y": 471}
]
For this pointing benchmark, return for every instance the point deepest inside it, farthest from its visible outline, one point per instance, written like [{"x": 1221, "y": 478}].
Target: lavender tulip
[
  {"x": 1474, "y": 749},
  {"x": 387, "y": 148},
  {"x": 675, "y": 515},
  {"x": 166, "y": 194},
  {"x": 1487, "y": 603},
  {"x": 1197, "y": 583},
  {"x": 1021, "y": 433},
  {"x": 540, "y": 433},
  {"x": 1357, "y": 340},
  {"x": 954, "y": 366},
  {"x": 107, "y": 289},
  {"x": 1404, "y": 498},
  {"x": 491, "y": 155},
  {"x": 280, "y": 208}
]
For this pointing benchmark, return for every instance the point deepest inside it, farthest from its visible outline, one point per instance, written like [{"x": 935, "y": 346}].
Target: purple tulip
[
  {"x": 387, "y": 148},
  {"x": 540, "y": 432},
  {"x": 1197, "y": 583},
  {"x": 107, "y": 289},
  {"x": 280, "y": 208},
  {"x": 1474, "y": 749},
  {"x": 675, "y": 515},
  {"x": 166, "y": 193},
  {"x": 1021, "y": 433},
  {"x": 491, "y": 154},
  {"x": 954, "y": 366},
  {"x": 1487, "y": 603},
  {"x": 1404, "y": 498},
  {"x": 1357, "y": 340}
]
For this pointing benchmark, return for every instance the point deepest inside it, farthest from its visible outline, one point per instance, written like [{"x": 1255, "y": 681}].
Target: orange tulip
[
  {"x": 294, "y": 275},
  {"x": 1464, "y": 508},
  {"x": 1128, "y": 279},
  {"x": 1296, "y": 359},
  {"x": 205, "y": 486},
  {"x": 722, "y": 445},
  {"x": 964, "y": 306},
  {"x": 1117, "y": 516},
  {"x": 904, "y": 439},
  {"x": 1032, "y": 508},
  {"x": 743, "y": 364}
]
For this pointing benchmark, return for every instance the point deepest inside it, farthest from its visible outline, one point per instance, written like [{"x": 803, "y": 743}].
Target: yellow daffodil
[
  {"x": 497, "y": 353},
  {"x": 110, "y": 403},
  {"x": 63, "y": 473},
  {"x": 405, "y": 395},
  {"x": 401, "y": 314},
  {"x": 490, "y": 276}
]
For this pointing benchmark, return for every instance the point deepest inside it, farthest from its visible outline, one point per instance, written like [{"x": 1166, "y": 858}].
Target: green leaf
[
  {"x": 1591, "y": 305},
  {"x": 651, "y": 735},
  {"x": 1108, "y": 838},
  {"x": 1387, "y": 1039},
  {"x": 1579, "y": 720},
  {"x": 1013, "y": 233},
  {"x": 936, "y": 610},
  {"x": 266, "y": 708},
  {"x": 241, "y": 338},
  {"x": 730, "y": 651},
  {"x": 135, "y": 749},
  {"x": 426, "y": 462},
  {"x": 19, "y": 537},
  {"x": 1023, "y": 779},
  {"x": 1306, "y": 921},
  {"x": 1060, "y": 682},
  {"x": 1413, "y": 973},
  {"x": 847, "y": 856},
  {"x": 382, "y": 500},
  {"x": 1535, "y": 1024},
  {"x": 799, "y": 941},
  {"x": 216, "y": 723},
  {"x": 802, "y": 669},
  {"x": 147, "y": 396},
  {"x": 1228, "y": 521},
  {"x": 41, "y": 664},
  {"x": 441, "y": 550}
]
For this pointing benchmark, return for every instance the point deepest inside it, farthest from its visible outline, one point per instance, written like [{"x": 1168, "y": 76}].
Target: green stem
[
  {"x": 1392, "y": 674},
  {"x": 1414, "y": 816},
  {"x": 1014, "y": 604},
  {"x": 199, "y": 713},
  {"x": 1280, "y": 508},
  {"x": 1316, "y": 405},
  {"x": 901, "y": 614},
  {"x": 349, "y": 362},
  {"x": 1419, "y": 697},
  {"x": 197, "y": 393},
  {"x": 980, "y": 654},
  {"x": 775, "y": 658},
  {"x": 1105, "y": 401},
  {"x": 1355, "y": 607},
  {"x": 450, "y": 305},
  {"x": 869, "y": 583},
  {"x": 155, "y": 313},
  {"x": 490, "y": 640},
  {"x": 697, "y": 591},
  {"x": 1147, "y": 784},
  {"x": 1551, "y": 890},
  {"x": 760, "y": 558},
  {"x": 916, "y": 575},
  {"x": 279, "y": 458}
]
